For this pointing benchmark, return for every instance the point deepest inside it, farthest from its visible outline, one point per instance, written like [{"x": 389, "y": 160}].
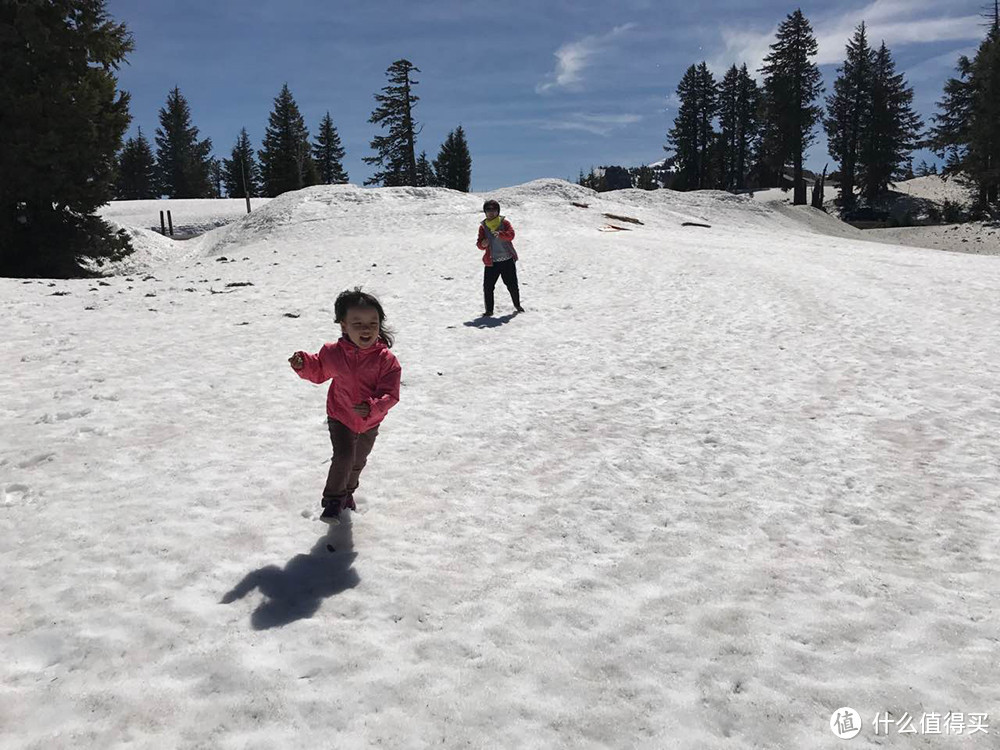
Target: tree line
[
  {"x": 183, "y": 166},
  {"x": 62, "y": 154},
  {"x": 736, "y": 134}
]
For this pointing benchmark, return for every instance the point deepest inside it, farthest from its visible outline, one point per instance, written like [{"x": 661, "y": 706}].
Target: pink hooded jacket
[{"x": 359, "y": 375}]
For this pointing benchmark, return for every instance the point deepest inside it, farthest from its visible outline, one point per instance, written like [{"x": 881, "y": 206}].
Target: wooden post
[
  {"x": 163, "y": 227},
  {"x": 171, "y": 223}
]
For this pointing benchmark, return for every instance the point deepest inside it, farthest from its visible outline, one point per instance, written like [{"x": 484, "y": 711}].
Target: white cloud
[
  {"x": 572, "y": 58},
  {"x": 596, "y": 124},
  {"x": 897, "y": 22}
]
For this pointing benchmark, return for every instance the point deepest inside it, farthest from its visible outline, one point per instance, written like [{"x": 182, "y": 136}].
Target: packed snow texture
[{"x": 716, "y": 483}]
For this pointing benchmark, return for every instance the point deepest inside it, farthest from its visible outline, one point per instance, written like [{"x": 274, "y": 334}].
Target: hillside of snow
[{"x": 715, "y": 484}]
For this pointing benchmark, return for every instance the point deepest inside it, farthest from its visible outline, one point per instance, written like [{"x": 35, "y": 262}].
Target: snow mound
[
  {"x": 937, "y": 188},
  {"x": 328, "y": 211},
  {"x": 546, "y": 190},
  {"x": 333, "y": 215},
  {"x": 151, "y": 251},
  {"x": 818, "y": 221}
]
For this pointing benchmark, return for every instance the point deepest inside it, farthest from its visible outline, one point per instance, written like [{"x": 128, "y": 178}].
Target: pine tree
[
  {"x": 645, "y": 179},
  {"x": 241, "y": 169},
  {"x": 791, "y": 85},
  {"x": 62, "y": 121},
  {"x": 617, "y": 178},
  {"x": 425, "y": 172},
  {"x": 967, "y": 130},
  {"x": 136, "y": 170},
  {"x": 846, "y": 112},
  {"x": 985, "y": 130},
  {"x": 692, "y": 136},
  {"x": 328, "y": 154},
  {"x": 739, "y": 102},
  {"x": 285, "y": 159},
  {"x": 593, "y": 180},
  {"x": 890, "y": 129},
  {"x": 453, "y": 165},
  {"x": 183, "y": 162},
  {"x": 396, "y": 151}
]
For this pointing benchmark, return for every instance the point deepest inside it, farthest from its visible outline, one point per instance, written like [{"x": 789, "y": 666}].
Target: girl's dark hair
[
  {"x": 352, "y": 298},
  {"x": 491, "y": 204}
]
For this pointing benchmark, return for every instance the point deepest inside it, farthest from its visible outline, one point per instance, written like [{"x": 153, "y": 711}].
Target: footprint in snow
[
  {"x": 62, "y": 416},
  {"x": 16, "y": 494},
  {"x": 35, "y": 460}
]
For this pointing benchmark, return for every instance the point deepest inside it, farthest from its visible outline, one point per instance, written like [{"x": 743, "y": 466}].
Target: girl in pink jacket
[{"x": 365, "y": 386}]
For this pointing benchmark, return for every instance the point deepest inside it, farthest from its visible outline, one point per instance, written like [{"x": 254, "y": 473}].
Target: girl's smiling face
[{"x": 361, "y": 326}]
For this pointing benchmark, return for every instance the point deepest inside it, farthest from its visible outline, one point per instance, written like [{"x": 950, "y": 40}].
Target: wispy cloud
[
  {"x": 574, "y": 57},
  {"x": 596, "y": 124},
  {"x": 897, "y": 22}
]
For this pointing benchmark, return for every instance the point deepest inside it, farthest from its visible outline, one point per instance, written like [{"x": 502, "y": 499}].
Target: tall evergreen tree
[
  {"x": 791, "y": 84},
  {"x": 285, "y": 160},
  {"x": 967, "y": 129},
  {"x": 846, "y": 112},
  {"x": 241, "y": 169},
  {"x": 453, "y": 165},
  {"x": 215, "y": 178},
  {"x": 951, "y": 135},
  {"x": 692, "y": 137},
  {"x": 328, "y": 153},
  {"x": 183, "y": 163},
  {"x": 396, "y": 151},
  {"x": 739, "y": 102},
  {"x": 62, "y": 120},
  {"x": 136, "y": 170},
  {"x": 891, "y": 129},
  {"x": 425, "y": 172}
]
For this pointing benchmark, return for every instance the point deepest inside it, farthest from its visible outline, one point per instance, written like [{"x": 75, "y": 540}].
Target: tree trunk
[
  {"x": 817, "y": 196},
  {"x": 411, "y": 159},
  {"x": 800, "y": 185}
]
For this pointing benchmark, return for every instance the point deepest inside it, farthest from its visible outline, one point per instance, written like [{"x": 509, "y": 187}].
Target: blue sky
[{"x": 542, "y": 88}]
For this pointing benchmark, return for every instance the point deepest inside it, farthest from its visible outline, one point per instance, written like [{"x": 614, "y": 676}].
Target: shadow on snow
[
  {"x": 296, "y": 591},
  {"x": 490, "y": 322}
]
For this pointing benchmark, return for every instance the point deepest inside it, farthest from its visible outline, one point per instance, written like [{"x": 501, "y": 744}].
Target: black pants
[
  {"x": 350, "y": 454},
  {"x": 507, "y": 269}
]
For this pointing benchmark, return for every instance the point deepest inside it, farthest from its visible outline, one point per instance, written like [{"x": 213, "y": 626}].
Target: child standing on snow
[
  {"x": 495, "y": 235},
  {"x": 365, "y": 386}
]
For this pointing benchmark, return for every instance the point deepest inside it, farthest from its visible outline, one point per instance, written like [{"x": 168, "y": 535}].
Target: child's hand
[
  {"x": 363, "y": 409},
  {"x": 296, "y": 361}
]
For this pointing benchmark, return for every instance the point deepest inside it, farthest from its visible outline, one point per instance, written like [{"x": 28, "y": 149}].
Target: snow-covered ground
[{"x": 714, "y": 485}]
